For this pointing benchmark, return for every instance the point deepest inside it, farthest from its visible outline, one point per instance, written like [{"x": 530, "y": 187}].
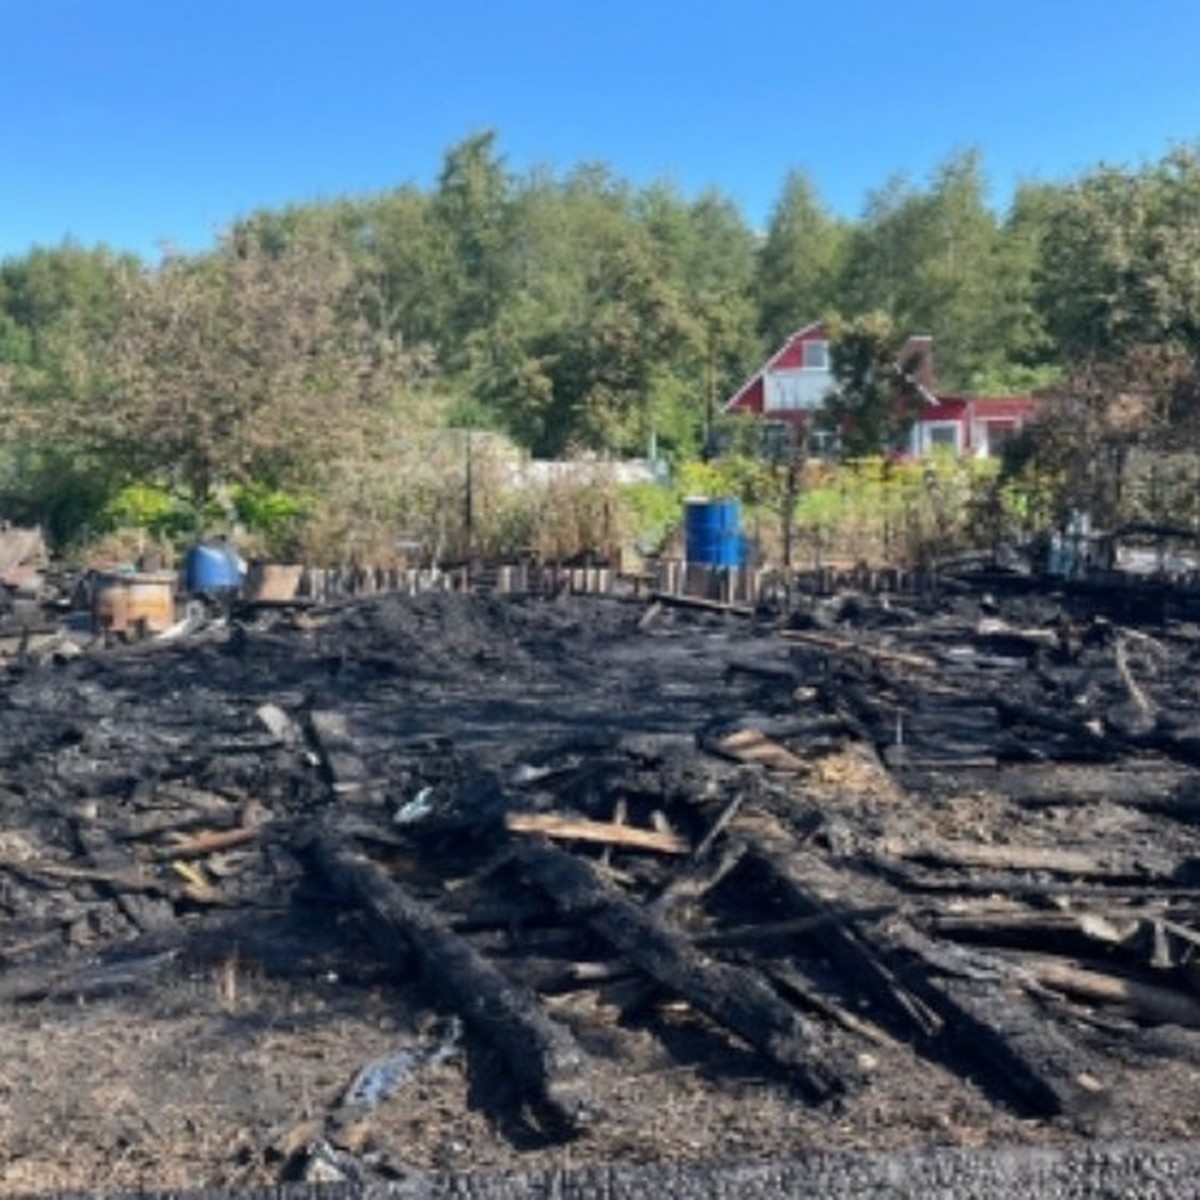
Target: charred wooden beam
[
  {"x": 756, "y": 749},
  {"x": 673, "y": 601},
  {"x": 1135, "y": 783},
  {"x": 813, "y": 889},
  {"x": 1032, "y": 928},
  {"x": 831, "y": 644},
  {"x": 1057, "y": 860},
  {"x": 732, "y": 997},
  {"x": 990, "y": 1023},
  {"x": 1027, "y": 886},
  {"x": 339, "y": 752},
  {"x": 541, "y": 1054},
  {"x": 1149, "y": 1002},
  {"x": 1032, "y": 1065}
]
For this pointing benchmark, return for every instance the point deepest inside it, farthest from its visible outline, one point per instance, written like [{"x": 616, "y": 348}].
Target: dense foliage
[{"x": 573, "y": 312}]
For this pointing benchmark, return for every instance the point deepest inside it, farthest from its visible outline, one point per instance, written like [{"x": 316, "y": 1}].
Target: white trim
[
  {"x": 826, "y": 356},
  {"x": 761, "y": 372}
]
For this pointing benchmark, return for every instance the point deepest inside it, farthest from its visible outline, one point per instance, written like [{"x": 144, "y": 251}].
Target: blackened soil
[{"x": 177, "y": 1019}]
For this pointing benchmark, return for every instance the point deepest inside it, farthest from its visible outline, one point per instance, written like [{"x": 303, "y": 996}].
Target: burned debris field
[{"x": 404, "y": 886}]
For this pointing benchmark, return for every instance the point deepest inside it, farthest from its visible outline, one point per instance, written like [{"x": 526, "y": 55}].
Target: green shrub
[
  {"x": 145, "y": 506},
  {"x": 274, "y": 516}
]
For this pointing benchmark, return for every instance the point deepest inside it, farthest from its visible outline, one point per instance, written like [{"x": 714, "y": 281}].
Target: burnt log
[
  {"x": 542, "y": 1056},
  {"x": 736, "y": 999}
]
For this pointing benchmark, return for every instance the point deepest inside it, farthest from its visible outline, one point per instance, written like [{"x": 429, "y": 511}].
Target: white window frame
[
  {"x": 816, "y": 344},
  {"x": 930, "y": 428},
  {"x": 823, "y": 443},
  {"x": 777, "y": 388}
]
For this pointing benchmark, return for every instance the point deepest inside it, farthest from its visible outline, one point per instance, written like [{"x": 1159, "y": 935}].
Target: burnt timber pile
[{"x": 450, "y": 883}]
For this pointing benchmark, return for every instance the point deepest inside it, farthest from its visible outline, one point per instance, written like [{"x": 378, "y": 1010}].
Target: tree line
[{"x": 572, "y": 311}]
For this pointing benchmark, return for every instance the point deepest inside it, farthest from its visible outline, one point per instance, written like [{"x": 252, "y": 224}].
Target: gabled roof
[{"x": 750, "y": 391}]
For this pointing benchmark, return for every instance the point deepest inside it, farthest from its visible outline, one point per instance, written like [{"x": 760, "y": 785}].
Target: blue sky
[{"x": 137, "y": 122}]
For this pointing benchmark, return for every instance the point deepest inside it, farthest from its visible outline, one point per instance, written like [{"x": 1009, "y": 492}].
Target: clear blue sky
[{"x": 133, "y": 122}]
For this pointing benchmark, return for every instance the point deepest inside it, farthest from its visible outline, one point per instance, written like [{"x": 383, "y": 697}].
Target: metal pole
[{"x": 468, "y": 500}]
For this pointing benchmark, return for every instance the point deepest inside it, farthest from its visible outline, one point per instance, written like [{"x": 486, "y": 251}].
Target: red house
[
  {"x": 970, "y": 425},
  {"x": 793, "y": 383}
]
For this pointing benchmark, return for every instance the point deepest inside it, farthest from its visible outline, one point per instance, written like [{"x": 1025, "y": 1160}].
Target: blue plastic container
[
  {"x": 713, "y": 532},
  {"x": 212, "y": 569}
]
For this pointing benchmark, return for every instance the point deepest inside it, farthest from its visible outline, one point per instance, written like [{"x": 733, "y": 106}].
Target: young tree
[
  {"x": 470, "y": 213},
  {"x": 877, "y": 397}
]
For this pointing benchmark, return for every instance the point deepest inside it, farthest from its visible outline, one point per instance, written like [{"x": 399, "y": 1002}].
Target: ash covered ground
[{"x": 452, "y": 883}]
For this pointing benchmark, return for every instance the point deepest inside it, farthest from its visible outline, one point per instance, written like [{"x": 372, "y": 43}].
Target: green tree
[
  {"x": 626, "y": 309},
  {"x": 405, "y": 265},
  {"x": 800, "y": 261},
  {"x": 935, "y": 261},
  {"x": 249, "y": 365},
  {"x": 1119, "y": 292},
  {"x": 876, "y": 398},
  {"x": 56, "y": 305},
  {"x": 470, "y": 213},
  {"x": 1118, "y": 265}
]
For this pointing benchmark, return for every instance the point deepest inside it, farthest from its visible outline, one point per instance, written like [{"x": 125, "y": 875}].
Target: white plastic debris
[
  {"x": 416, "y": 809},
  {"x": 379, "y": 1079}
]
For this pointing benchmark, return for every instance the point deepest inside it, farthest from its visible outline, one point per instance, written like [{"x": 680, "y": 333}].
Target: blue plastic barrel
[
  {"x": 713, "y": 532},
  {"x": 212, "y": 569}
]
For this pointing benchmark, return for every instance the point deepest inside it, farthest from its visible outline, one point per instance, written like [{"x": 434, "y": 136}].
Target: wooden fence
[
  {"x": 334, "y": 583},
  {"x": 735, "y": 586}
]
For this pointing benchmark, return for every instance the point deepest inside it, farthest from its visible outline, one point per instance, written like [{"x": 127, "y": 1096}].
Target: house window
[
  {"x": 778, "y": 439},
  {"x": 941, "y": 436},
  {"x": 816, "y": 356},
  {"x": 999, "y": 433},
  {"x": 823, "y": 443},
  {"x": 784, "y": 389}
]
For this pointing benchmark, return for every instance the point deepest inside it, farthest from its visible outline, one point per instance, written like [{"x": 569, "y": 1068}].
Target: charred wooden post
[
  {"x": 542, "y": 1055},
  {"x": 732, "y": 997}
]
